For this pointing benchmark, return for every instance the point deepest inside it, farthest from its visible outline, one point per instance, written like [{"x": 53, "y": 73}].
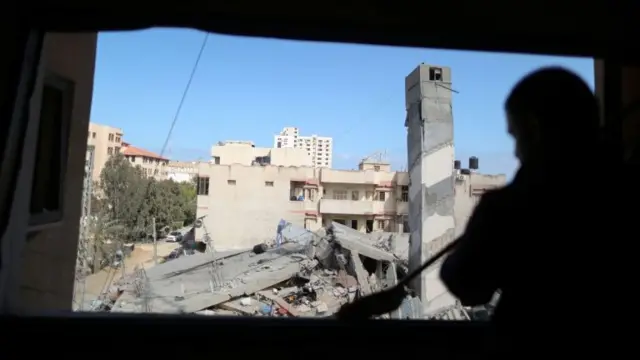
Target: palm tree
[{"x": 104, "y": 234}]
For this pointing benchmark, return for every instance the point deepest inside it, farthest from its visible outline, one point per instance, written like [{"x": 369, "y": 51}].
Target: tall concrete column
[{"x": 431, "y": 191}]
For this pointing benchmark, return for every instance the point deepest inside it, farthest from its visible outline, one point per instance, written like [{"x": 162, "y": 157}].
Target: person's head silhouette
[{"x": 552, "y": 112}]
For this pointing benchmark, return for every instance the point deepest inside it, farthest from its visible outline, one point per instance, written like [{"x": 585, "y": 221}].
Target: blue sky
[{"x": 249, "y": 89}]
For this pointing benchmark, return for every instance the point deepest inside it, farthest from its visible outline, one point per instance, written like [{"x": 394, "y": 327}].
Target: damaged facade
[
  {"x": 310, "y": 274},
  {"x": 348, "y": 234},
  {"x": 240, "y": 205}
]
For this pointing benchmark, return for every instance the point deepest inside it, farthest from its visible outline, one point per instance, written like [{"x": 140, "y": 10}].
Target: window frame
[
  {"x": 200, "y": 189},
  {"x": 38, "y": 221}
]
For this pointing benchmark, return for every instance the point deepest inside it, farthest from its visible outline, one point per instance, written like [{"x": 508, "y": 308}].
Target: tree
[
  {"x": 189, "y": 201},
  {"x": 121, "y": 193},
  {"x": 127, "y": 196}
]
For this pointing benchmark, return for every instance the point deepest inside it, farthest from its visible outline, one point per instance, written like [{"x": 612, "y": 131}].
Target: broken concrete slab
[
  {"x": 191, "y": 290},
  {"x": 186, "y": 263},
  {"x": 361, "y": 273},
  {"x": 297, "y": 234},
  {"x": 352, "y": 239}
]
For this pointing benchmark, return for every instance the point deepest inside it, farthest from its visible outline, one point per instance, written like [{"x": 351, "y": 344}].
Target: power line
[
  {"x": 179, "y": 109},
  {"x": 185, "y": 92}
]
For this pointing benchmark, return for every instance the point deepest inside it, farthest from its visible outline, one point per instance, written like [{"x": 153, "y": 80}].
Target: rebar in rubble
[
  {"x": 141, "y": 287},
  {"x": 217, "y": 281}
]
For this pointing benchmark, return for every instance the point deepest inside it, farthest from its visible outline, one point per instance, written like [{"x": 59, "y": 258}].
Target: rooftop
[{"x": 130, "y": 150}]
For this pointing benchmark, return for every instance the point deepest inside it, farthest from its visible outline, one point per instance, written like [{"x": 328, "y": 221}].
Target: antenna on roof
[{"x": 377, "y": 157}]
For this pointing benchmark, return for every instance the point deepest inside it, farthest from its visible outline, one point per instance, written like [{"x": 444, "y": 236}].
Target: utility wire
[
  {"x": 185, "y": 92},
  {"x": 177, "y": 113},
  {"x": 166, "y": 142}
]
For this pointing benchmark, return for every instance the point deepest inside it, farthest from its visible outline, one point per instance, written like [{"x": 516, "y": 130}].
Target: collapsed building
[{"x": 310, "y": 274}]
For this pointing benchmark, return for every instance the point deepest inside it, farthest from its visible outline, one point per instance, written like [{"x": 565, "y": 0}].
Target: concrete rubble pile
[{"x": 310, "y": 274}]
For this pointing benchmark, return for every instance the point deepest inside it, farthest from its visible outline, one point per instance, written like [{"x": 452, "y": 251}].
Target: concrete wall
[
  {"x": 430, "y": 157},
  {"x": 245, "y": 203},
  {"x": 244, "y": 153},
  {"x": 48, "y": 261}
]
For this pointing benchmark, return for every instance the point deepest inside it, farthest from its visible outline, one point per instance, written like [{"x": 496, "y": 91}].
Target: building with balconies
[
  {"x": 242, "y": 204},
  {"x": 372, "y": 198}
]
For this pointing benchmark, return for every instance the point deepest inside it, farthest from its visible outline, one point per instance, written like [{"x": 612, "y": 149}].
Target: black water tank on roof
[
  {"x": 474, "y": 163},
  {"x": 457, "y": 164}
]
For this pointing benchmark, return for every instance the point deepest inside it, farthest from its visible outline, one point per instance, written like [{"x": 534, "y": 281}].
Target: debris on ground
[{"x": 311, "y": 274}]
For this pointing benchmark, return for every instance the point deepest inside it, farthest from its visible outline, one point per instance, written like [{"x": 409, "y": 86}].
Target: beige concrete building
[
  {"x": 320, "y": 148},
  {"x": 106, "y": 141},
  {"x": 152, "y": 164},
  {"x": 182, "y": 171},
  {"x": 246, "y": 153},
  {"x": 242, "y": 204}
]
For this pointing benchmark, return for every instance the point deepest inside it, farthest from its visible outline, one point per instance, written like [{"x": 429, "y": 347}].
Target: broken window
[
  {"x": 355, "y": 195},
  {"x": 405, "y": 226},
  {"x": 405, "y": 194},
  {"x": 369, "y": 226},
  {"x": 203, "y": 186},
  {"x": 268, "y": 183},
  {"x": 296, "y": 191},
  {"x": 231, "y": 182},
  {"x": 216, "y": 160},
  {"x": 376, "y": 167},
  {"x": 354, "y": 224},
  {"x": 435, "y": 74},
  {"x": 339, "y": 194},
  {"x": 262, "y": 160}
]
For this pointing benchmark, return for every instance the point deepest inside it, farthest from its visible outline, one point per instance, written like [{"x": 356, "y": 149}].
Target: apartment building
[
  {"x": 320, "y": 148},
  {"x": 182, "y": 171},
  {"x": 246, "y": 153},
  {"x": 242, "y": 204},
  {"x": 152, "y": 164},
  {"x": 106, "y": 140}
]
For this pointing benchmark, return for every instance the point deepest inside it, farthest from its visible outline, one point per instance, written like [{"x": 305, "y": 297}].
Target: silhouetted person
[{"x": 528, "y": 239}]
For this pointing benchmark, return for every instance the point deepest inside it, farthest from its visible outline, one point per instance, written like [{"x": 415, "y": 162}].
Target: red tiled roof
[{"x": 129, "y": 150}]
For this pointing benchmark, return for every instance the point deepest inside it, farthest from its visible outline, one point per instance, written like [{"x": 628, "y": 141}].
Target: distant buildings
[
  {"x": 152, "y": 164},
  {"x": 320, "y": 148},
  {"x": 105, "y": 140},
  {"x": 182, "y": 171}
]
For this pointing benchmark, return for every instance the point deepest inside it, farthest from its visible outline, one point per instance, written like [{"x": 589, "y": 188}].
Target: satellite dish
[{"x": 198, "y": 224}]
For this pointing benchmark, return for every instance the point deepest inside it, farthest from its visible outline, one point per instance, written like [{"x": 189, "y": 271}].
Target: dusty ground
[{"x": 142, "y": 256}]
